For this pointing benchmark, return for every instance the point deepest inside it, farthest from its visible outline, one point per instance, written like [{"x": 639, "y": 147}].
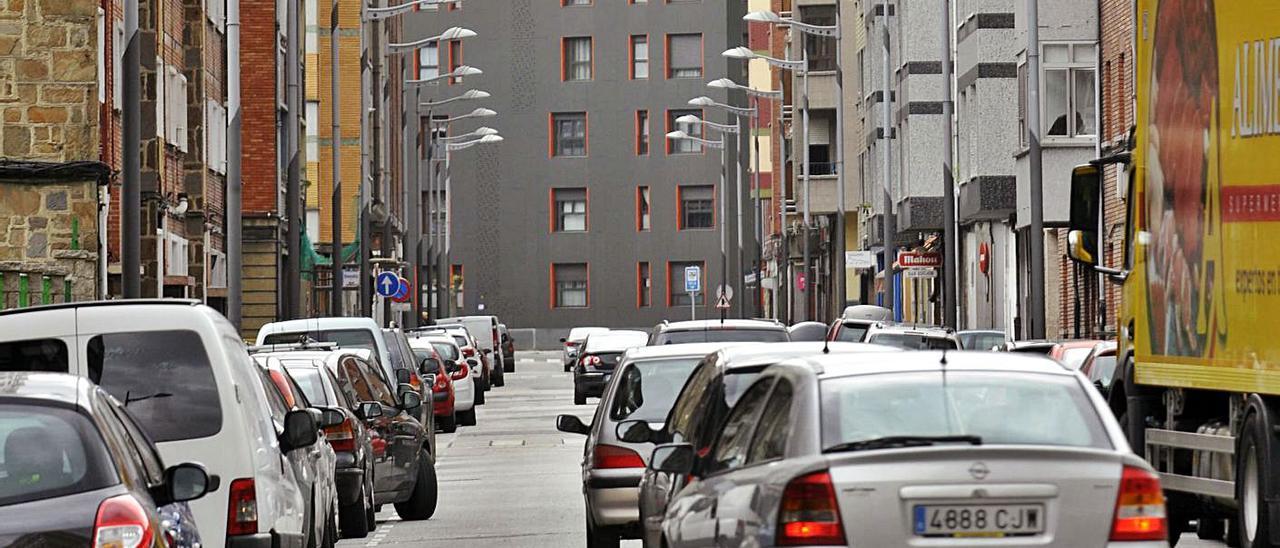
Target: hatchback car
[
  {"x": 1100, "y": 367},
  {"x": 696, "y": 331},
  {"x": 1073, "y": 353},
  {"x": 913, "y": 337},
  {"x": 508, "y": 348},
  {"x": 982, "y": 339},
  {"x": 433, "y": 371},
  {"x": 484, "y": 331},
  {"x": 77, "y": 470},
  {"x": 473, "y": 358},
  {"x": 853, "y": 324},
  {"x": 597, "y": 360},
  {"x": 647, "y": 382},
  {"x": 569, "y": 353},
  {"x": 459, "y": 372},
  {"x": 916, "y": 449}
]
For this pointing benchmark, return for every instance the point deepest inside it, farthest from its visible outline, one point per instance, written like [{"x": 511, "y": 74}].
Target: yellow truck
[{"x": 1198, "y": 385}]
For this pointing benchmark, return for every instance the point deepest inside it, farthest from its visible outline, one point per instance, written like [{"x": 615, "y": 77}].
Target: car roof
[
  {"x": 95, "y": 304},
  {"x": 583, "y": 330},
  {"x": 981, "y": 332},
  {"x": 677, "y": 350},
  {"x": 866, "y": 312},
  {"x": 296, "y": 355},
  {"x": 313, "y": 324},
  {"x": 849, "y": 365},
  {"x": 712, "y": 325},
  {"x": 615, "y": 341},
  {"x": 754, "y": 355},
  {"x": 1090, "y": 343},
  {"x": 926, "y": 330},
  {"x": 50, "y": 387}
]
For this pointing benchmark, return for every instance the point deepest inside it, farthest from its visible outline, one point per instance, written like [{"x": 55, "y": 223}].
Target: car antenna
[{"x": 826, "y": 345}]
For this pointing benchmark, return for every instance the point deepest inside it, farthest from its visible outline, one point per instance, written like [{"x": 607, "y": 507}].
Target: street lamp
[
  {"x": 681, "y": 135},
  {"x": 481, "y": 136},
  {"x": 378, "y": 14},
  {"x": 469, "y": 95},
  {"x": 449, "y": 34},
  {"x": 482, "y": 132},
  {"x": 740, "y": 113},
  {"x": 725, "y": 83},
  {"x": 458, "y": 73},
  {"x": 480, "y": 112}
]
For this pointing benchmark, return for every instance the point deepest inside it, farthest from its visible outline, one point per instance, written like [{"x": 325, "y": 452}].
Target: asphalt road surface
[{"x": 513, "y": 481}]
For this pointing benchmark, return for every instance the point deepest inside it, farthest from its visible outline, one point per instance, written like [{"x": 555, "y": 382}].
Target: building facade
[{"x": 593, "y": 217}]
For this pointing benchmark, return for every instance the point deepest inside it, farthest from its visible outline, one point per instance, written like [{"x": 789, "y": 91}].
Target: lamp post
[
  {"x": 724, "y": 233},
  {"x": 483, "y": 136},
  {"x": 726, "y": 130}
]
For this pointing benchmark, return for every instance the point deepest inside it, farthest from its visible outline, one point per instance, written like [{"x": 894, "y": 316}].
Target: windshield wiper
[{"x": 901, "y": 441}]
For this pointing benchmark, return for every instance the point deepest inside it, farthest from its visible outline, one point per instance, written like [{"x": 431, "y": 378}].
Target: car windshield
[
  {"x": 344, "y": 338},
  {"x": 157, "y": 383},
  {"x": 722, "y": 335},
  {"x": 446, "y": 350},
  {"x": 852, "y": 332},
  {"x": 737, "y": 381},
  {"x": 980, "y": 341},
  {"x": 422, "y": 354},
  {"x": 647, "y": 389},
  {"x": 1074, "y": 357},
  {"x": 1103, "y": 369},
  {"x": 1004, "y": 409},
  {"x": 47, "y": 355},
  {"x": 308, "y": 379},
  {"x": 912, "y": 341},
  {"x": 48, "y": 452}
]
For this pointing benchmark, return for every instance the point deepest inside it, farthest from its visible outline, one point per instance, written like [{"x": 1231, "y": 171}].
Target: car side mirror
[
  {"x": 403, "y": 376},
  {"x": 409, "y": 399},
  {"x": 473, "y": 363},
  {"x": 1082, "y": 239},
  {"x": 563, "y": 340},
  {"x": 369, "y": 410},
  {"x": 634, "y": 431},
  {"x": 429, "y": 365},
  {"x": 330, "y": 417},
  {"x": 488, "y": 351},
  {"x": 300, "y": 430},
  {"x": 571, "y": 424},
  {"x": 673, "y": 458},
  {"x": 452, "y": 366},
  {"x": 182, "y": 482}
]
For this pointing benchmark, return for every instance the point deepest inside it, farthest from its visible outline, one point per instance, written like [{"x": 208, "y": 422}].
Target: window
[
  {"x": 570, "y": 209},
  {"x": 676, "y": 295},
  {"x": 771, "y": 436},
  {"x": 683, "y": 146},
  {"x": 215, "y": 135},
  {"x": 731, "y": 449},
  {"x": 569, "y": 134},
  {"x": 455, "y": 58},
  {"x": 643, "y": 216},
  {"x": 577, "y": 59},
  {"x": 50, "y": 452},
  {"x": 1070, "y": 107},
  {"x": 648, "y": 388},
  {"x": 640, "y": 57},
  {"x": 46, "y": 355},
  {"x": 684, "y": 56},
  {"x": 822, "y": 51},
  {"x": 697, "y": 207},
  {"x": 642, "y": 132},
  {"x": 569, "y": 285},
  {"x": 176, "y": 256},
  {"x": 644, "y": 285},
  {"x": 429, "y": 61}
]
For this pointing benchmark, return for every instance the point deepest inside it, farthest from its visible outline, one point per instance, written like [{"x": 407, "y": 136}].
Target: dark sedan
[{"x": 77, "y": 470}]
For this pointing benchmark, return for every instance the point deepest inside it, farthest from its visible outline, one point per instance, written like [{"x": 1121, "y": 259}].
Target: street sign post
[{"x": 693, "y": 286}]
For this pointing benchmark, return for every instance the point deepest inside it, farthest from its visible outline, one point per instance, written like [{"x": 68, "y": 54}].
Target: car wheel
[
  {"x": 467, "y": 418},
  {"x": 509, "y": 365},
  {"x": 578, "y": 397},
  {"x": 331, "y": 532},
  {"x": 371, "y": 509},
  {"x": 597, "y": 538},
  {"x": 448, "y": 424},
  {"x": 354, "y": 518},
  {"x": 1252, "y": 484},
  {"x": 422, "y": 503},
  {"x": 568, "y": 367},
  {"x": 479, "y": 396},
  {"x": 501, "y": 380}
]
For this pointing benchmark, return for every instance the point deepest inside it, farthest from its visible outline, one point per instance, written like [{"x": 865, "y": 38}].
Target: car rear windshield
[
  {"x": 909, "y": 341},
  {"x": 1103, "y": 369},
  {"x": 647, "y": 390},
  {"x": 1074, "y": 357},
  {"x": 446, "y": 351},
  {"x": 159, "y": 375},
  {"x": 981, "y": 341},
  {"x": 1004, "y": 408},
  {"x": 722, "y": 335},
  {"x": 308, "y": 379},
  {"x": 48, "y": 452},
  {"x": 47, "y": 355},
  {"x": 852, "y": 332},
  {"x": 345, "y": 338}
]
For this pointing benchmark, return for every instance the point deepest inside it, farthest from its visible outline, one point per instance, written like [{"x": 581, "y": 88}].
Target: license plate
[{"x": 991, "y": 520}]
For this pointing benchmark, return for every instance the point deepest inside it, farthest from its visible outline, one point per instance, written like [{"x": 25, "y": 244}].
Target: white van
[{"x": 182, "y": 371}]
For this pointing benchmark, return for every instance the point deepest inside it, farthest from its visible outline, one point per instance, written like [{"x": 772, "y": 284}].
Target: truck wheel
[
  {"x": 1210, "y": 528},
  {"x": 1253, "y": 484},
  {"x": 422, "y": 503}
]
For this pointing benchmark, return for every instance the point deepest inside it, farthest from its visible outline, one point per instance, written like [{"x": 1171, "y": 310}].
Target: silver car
[
  {"x": 645, "y": 385},
  {"x": 917, "y": 449}
]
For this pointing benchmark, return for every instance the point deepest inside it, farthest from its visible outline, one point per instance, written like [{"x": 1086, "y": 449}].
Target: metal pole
[
  {"x": 445, "y": 200},
  {"x": 131, "y": 195},
  {"x": 234, "y": 227},
  {"x": 742, "y": 220},
  {"x": 432, "y": 281},
  {"x": 1035, "y": 304},
  {"x": 758, "y": 263},
  {"x": 293, "y": 185},
  {"x": 842, "y": 272},
  {"x": 950, "y": 258},
  {"x": 379, "y": 194},
  {"x": 413, "y": 214},
  {"x": 335, "y": 202},
  {"x": 724, "y": 228},
  {"x": 804, "y": 143},
  {"x": 891, "y": 301}
]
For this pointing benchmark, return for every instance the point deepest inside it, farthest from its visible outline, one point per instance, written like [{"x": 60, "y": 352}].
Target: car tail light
[
  {"x": 809, "y": 515},
  {"x": 462, "y": 372},
  {"x": 242, "y": 508},
  {"x": 591, "y": 360},
  {"x": 495, "y": 337},
  {"x": 121, "y": 523},
  {"x": 442, "y": 382},
  {"x": 342, "y": 437},
  {"x": 469, "y": 352},
  {"x": 1140, "y": 511},
  {"x": 612, "y": 456}
]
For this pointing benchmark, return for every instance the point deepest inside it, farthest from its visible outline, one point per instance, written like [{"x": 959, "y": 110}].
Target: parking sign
[{"x": 692, "y": 279}]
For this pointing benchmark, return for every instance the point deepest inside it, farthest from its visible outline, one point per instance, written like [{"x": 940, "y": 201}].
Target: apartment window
[
  {"x": 684, "y": 56},
  {"x": 429, "y": 61},
  {"x": 215, "y": 135},
  {"x": 569, "y": 134},
  {"x": 640, "y": 56},
  {"x": 644, "y": 285},
  {"x": 642, "y": 132},
  {"x": 676, "y": 297},
  {"x": 570, "y": 207},
  {"x": 455, "y": 58},
  {"x": 1022, "y": 103},
  {"x": 643, "y": 217},
  {"x": 570, "y": 285},
  {"x": 822, "y": 51},
  {"x": 577, "y": 59},
  {"x": 697, "y": 207},
  {"x": 1070, "y": 106},
  {"x": 683, "y": 146}
]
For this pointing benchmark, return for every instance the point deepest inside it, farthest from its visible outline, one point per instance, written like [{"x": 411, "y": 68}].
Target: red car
[{"x": 443, "y": 408}]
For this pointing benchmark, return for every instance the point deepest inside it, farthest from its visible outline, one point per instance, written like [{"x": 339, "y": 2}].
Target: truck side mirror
[{"x": 1086, "y": 209}]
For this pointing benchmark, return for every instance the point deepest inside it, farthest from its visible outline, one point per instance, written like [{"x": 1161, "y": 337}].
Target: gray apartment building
[{"x": 586, "y": 214}]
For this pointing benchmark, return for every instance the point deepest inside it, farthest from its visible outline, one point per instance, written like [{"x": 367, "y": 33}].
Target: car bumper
[
  {"x": 464, "y": 394},
  {"x": 614, "y": 498},
  {"x": 591, "y": 384},
  {"x": 266, "y": 540},
  {"x": 349, "y": 482}
]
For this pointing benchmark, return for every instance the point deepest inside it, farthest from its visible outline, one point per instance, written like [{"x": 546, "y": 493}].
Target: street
[{"x": 513, "y": 480}]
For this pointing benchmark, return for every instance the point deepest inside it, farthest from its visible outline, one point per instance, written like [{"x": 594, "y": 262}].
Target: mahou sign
[{"x": 912, "y": 259}]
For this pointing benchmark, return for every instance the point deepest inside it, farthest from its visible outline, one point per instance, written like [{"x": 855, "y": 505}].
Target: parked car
[
  {"x": 470, "y": 355},
  {"x": 1036, "y": 347},
  {"x": 861, "y": 450},
  {"x": 808, "y": 331},
  {"x": 404, "y": 359},
  {"x": 459, "y": 372},
  {"x": 600, "y": 354},
  {"x": 853, "y": 324},
  {"x": 1100, "y": 367},
  {"x": 573, "y": 341},
  {"x": 78, "y": 470},
  {"x": 982, "y": 339},
  {"x": 431, "y": 367},
  {"x": 700, "y": 409},
  {"x": 1073, "y": 353},
  {"x": 315, "y": 467},
  {"x": 127, "y": 348},
  {"x": 648, "y": 381},
  {"x": 913, "y": 337},
  {"x": 696, "y": 331},
  {"x": 484, "y": 329},
  {"x": 508, "y": 349}
]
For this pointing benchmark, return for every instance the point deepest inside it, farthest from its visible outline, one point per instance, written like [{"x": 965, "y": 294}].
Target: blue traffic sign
[
  {"x": 387, "y": 284},
  {"x": 692, "y": 279}
]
